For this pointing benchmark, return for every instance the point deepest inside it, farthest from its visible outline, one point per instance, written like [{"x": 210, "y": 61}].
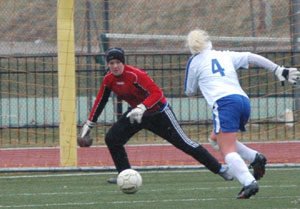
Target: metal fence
[{"x": 30, "y": 111}]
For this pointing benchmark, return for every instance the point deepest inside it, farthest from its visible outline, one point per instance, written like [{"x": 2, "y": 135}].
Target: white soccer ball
[{"x": 129, "y": 181}]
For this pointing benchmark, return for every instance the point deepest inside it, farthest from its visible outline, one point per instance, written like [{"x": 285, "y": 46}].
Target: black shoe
[
  {"x": 258, "y": 166},
  {"x": 112, "y": 181},
  {"x": 248, "y": 191}
]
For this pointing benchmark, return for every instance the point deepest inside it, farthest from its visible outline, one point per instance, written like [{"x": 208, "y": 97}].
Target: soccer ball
[
  {"x": 129, "y": 181},
  {"x": 86, "y": 141}
]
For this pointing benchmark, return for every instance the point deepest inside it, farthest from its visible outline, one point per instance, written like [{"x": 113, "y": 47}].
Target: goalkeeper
[
  {"x": 214, "y": 72},
  {"x": 149, "y": 110}
]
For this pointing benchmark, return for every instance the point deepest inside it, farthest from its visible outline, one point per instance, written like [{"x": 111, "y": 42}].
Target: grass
[{"x": 161, "y": 189}]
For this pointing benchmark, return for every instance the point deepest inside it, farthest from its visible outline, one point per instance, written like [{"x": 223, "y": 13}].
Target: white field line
[
  {"x": 139, "y": 168},
  {"x": 134, "y": 202},
  {"x": 50, "y": 205},
  {"x": 114, "y": 173},
  {"x": 144, "y": 191}
]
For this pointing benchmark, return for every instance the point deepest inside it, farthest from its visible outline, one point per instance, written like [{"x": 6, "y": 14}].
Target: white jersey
[{"x": 214, "y": 72}]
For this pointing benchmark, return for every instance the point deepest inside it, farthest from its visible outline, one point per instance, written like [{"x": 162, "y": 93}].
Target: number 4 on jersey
[{"x": 216, "y": 67}]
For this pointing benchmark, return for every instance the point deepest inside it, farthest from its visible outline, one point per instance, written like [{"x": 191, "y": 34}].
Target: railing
[{"x": 29, "y": 98}]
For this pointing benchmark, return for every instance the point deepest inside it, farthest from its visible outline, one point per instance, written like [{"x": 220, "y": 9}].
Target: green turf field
[{"x": 180, "y": 189}]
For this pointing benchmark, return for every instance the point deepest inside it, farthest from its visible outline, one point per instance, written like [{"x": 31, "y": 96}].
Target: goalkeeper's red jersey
[{"x": 134, "y": 86}]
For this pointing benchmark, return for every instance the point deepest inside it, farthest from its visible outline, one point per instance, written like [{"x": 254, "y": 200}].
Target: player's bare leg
[
  {"x": 257, "y": 160},
  {"x": 237, "y": 166}
]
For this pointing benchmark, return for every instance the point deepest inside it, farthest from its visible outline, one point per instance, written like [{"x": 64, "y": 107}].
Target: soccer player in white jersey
[{"x": 214, "y": 72}]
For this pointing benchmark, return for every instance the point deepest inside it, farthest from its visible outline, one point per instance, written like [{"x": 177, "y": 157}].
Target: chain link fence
[
  {"x": 29, "y": 27},
  {"x": 152, "y": 34}
]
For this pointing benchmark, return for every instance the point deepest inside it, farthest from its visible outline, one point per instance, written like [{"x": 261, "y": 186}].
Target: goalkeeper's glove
[
  {"x": 289, "y": 74},
  {"x": 84, "y": 139},
  {"x": 86, "y": 128},
  {"x": 214, "y": 144},
  {"x": 136, "y": 114}
]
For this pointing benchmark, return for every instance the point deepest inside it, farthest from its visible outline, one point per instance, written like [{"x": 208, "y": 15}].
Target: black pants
[{"x": 165, "y": 125}]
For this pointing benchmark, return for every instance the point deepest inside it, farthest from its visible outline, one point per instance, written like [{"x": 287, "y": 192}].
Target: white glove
[
  {"x": 85, "y": 131},
  {"x": 214, "y": 144},
  {"x": 136, "y": 114},
  {"x": 289, "y": 74}
]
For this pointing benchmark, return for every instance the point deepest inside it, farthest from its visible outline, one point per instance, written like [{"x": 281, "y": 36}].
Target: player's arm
[
  {"x": 84, "y": 139},
  {"x": 155, "y": 94},
  {"x": 282, "y": 73},
  {"x": 191, "y": 82}
]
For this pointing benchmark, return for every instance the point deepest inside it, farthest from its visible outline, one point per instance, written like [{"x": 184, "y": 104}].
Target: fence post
[
  {"x": 89, "y": 51},
  {"x": 295, "y": 31},
  {"x": 66, "y": 83}
]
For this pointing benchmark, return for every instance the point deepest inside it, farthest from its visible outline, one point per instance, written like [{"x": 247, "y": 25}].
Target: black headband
[{"x": 115, "y": 53}]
